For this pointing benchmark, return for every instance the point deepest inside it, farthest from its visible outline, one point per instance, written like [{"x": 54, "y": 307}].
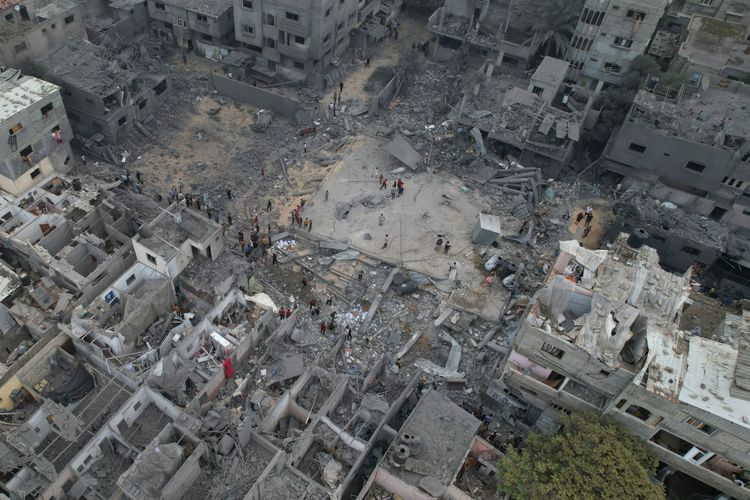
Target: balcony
[{"x": 294, "y": 51}]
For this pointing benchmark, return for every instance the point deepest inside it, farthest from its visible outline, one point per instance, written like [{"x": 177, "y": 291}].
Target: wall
[
  {"x": 383, "y": 98},
  {"x": 243, "y": 92}
]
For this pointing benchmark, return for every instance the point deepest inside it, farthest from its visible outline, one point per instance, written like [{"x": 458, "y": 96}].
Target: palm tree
[{"x": 556, "y": 21}]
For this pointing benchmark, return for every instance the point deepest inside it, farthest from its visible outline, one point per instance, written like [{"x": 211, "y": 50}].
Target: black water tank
[
  {"x": 76, "y": 184},
  {"x": 508, "y": 269},
  {"x": 637, "y": 238}
]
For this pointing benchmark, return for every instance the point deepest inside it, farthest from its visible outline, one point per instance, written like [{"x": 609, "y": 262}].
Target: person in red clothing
[
  {"x": 322, "y": 327},
  {"x": 228, "y": 368}
]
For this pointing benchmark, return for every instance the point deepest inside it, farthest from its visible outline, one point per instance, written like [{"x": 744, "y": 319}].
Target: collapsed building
[
  {"x": 193, "y": 24},
  {"x": 29, "y": 29},
  {"x": 611, "y": 332},
  {"x": 106, "y": 93},
  {"x": 537, "y": 122}
]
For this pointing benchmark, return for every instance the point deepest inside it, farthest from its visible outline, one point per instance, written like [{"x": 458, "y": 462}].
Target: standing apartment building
[
  {"x": 30, "y": 29},
  {"x": 193, "y": 24},
  {"x": 303, "y": 36},
  {"x": 607, "y": 334},
  {"x": 38, "y": 132},
  {"x": 608, "y": 36},
  {"x": 734, "y": 11}
]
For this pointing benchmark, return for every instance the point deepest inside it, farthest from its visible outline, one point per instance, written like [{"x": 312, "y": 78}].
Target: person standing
[
  {"x": 341, "y": 88},
  {"x": 274, "y": 258},
  {"x": 229, "y": 219},
  {"x": 326, "y": 200},
  {"x": 309, "y": 225},
  {"x": 268, "y": 206},
  {"x": 447, "y": 247},
  {"x": 381, "y": 220},
  {"x": 438, "y": 244},
  {"x": 385, "y": 241},
  {"x": 322, "y": 327}
]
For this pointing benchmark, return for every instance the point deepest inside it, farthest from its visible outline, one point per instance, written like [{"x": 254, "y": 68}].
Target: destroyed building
[
  {"x": 29, "y": 29},
  {"x": 607, "y": 333},
  {"x": 714, "y": 47},
  {"x": 688, "y": 146},
  {"x": 734, "y": 11},
  {"x": 106, "y": 93},
  {"x": 303, "y": 38},
  {"x": 198, "y": 25},
  {"x": 492, "y": 31},
  {"x": 39, "y": 133},
  {"x": 537, "y": 121},
  {"x": 70, "y": 231},
  {"x": 608, "y": 36}
]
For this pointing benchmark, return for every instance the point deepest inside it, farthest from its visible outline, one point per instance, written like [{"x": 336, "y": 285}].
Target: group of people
[
  {"x": 297, "y": 216},
  {"x": 397, "y": 189},
  {"x": 439, "y": 245}
]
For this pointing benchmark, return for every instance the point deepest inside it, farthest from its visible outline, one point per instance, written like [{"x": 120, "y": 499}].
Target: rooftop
[
  {"x": 56, "y": 8},
  {"x": 551, "y": 70},
  {"x": 83, "y": 65},
  {"x": 7, "y": 4},
  {"x": 18, "y": 92},
  {"x": 446, "y": 432},
  {"x": 175, "y": 226},
  {"x": 714, "y": 116},
  {"x": 715, "y": 44},
  {"x": 213, "y": 8}
]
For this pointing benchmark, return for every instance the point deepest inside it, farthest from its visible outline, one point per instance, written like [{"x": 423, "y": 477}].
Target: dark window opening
[
  {"x": 638, "y": 148},
  {"x": 695, "y": 167},
  {"x": 130, "y": 279},
  {"x": 15, "y": 129},
  {"x": 9, "y": 17},
  {"x": 247, "y": 4},
  {"x": 122, "y": 121},
  {"x": 151, "y": 258},
  {"x": 299, "y": 65},
  {"x": 554, "y": 351},
  {"x": 299, "y": 39},
  {"x": 292, "y": 16},
  {"x": 638, "y": 412},
  {"x": 208, "y": 38},
  {"x": 201, "y": 18},
  {"x": 70, "y": 19},
  {"x": 20, "y": 47},
  {"x": 35, "y": 173},
  {"x": 700, "y": 425},
  {"x": 537, "y": 90},
  {"x": 270, "y": 19},
  {"x": 717, "y": 213},
  {"x": 46, "y": 109},
  {"x": 690, "y": 250},
  {"x": 26, "y": 152},
  {"x": 161, "y": 88},
  {"x": 634, "y": 14},
  {"x": 621, "y": 403},
  {"x": 160, "y": 6},
  {"x": 142, "y": 104}
]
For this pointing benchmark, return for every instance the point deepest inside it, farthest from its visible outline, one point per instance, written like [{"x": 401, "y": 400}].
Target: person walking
[
  {"x": 268, "y": 206},
  {"x": 304, "y": 147},
  {"x": 447, "y": 247},
  {"x": 274, "y": 258},
  {"x": 305, "y": 222},
  {"x": 326, "y": 200},
  {"x": 229, "y": 194},
  {"x": 579, "y": 217},
  {"x": 322, "y": 327},
  {"x": 438, "y": 244},
  {"x": 341, "y": 88},
  {"x": 393, "y": 193},
  {"x": 229, "y": 219},
  {"x": 381, "y": 220},
  {"x": 367, "y": 62},
  {"x": 383, "y": 183},
  {"x": 385, "y": 241},
  {"x": 309, "y": 225}
]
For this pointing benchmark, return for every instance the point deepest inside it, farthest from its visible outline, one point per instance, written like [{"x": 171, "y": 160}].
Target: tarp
[
  {"x": 402, "y": 150},
  {"x": 263, "y": 301}
]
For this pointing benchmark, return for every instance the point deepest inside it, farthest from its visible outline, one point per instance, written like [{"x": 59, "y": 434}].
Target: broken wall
[{"x": 250, "y": 94}]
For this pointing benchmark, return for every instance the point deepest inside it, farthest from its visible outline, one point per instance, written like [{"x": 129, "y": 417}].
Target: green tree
[
  {"x": 587, "y": 459},
  {"x": 556, "y": 21}
]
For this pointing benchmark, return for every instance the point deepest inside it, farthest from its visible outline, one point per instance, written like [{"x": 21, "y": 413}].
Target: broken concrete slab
[{"x": 403, "y": 151}]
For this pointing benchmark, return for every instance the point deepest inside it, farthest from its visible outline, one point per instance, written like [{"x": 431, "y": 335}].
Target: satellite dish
[{"x": 18, "y": 8}]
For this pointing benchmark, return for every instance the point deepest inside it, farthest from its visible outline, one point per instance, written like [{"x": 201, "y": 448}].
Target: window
[
  {"x": 700, "y": 425},
  {"x": 605, "y": 373},
  {"x": 20, "y": 47},
  {"x": 551, "y": 349},
  {"x": 122, "y": 121},
  {"x": 328, "y": 12},
  {"x": 299, "y": 65},
  {"x": 270, "y": 42},
  {"x": 130, "y": 279},
  {"x": 635, "y": 14},
  {"x": 560, "y": 409},
  {"x": 161, "y": 88},
  {"x": 248, "y": 29},
  {"x": 340, "y": 26},
  {"x": 690, "y": 250},
  {"x": 151, "y": 258},
  {"x": 180, "y": 22},
  {"x": 637, "y": 148},
  {"x": 707, "y": 3},
  {"x": 207, "y": 38},
  {"x": 46, "y": 109},
  {"x": 142, "y": 104},
  {"x": 731, "y": 181},
  {"x": 327, "y": 38},
  {"x": 623, "y": 42},
  {"x": 70, "y": 19},
  {"x": 537, "y": 90},
  {"x": 270, "y": 19},
  {"x": 610, "y": 67},
  {"x": 581, "y": 43},
  {"x": 621, "y": 403},
  {"x": 638, "y": 412},
  {"x": 593, "y": 17},
  {"x": 15, "y": 129},
  {"x": 695, "y": 167},
  {"x": 201, "y": 18},
  {"x": 299, "y": 39},
  {"x": 35, "y": 173},
  {"x": 160, "y": 6},
  {"x": 247, "y": 4},
  {"x": 26, "y": 152},
  {"x": 292, "y": 16}
]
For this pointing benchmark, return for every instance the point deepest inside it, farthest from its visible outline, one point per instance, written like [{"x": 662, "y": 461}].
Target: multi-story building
[
  {"x": 607, "y": 334},
  {"x": 609, "y": 35},
  {"x": 689, "y": 146},
  {"x": 304, "y": 36},
  {"x": 735, "y": 11},
  {"x": 38, "y": 141},
  {"x": 29, "y": 29},
  {"x": 495, "y": 31},
  {"x": 102, "y": 97},
  {"x": 193, "y": 24}
]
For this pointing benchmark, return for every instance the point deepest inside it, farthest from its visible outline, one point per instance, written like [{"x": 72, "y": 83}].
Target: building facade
[
  {"x": 302, "y": 37},
  {"x": 193, "y": 24},
  {"x": 609, "y": 35},
  {"x": 38, "y": 142},
  {"x": 606, "y": 335},
  {"x": 734, "y": 11},
  {"x": 29, "y": 30}
]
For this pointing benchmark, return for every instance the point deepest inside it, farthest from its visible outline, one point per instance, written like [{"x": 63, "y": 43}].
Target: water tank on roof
[{"x": 637, "y": 238}]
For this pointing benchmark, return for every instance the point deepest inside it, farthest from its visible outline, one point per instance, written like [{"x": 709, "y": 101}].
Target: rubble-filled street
[{"x": 373, "y": 250}]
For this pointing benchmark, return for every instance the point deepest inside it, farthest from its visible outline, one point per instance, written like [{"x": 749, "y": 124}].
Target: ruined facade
[
  {"x": 605, "y": 334},
  {"x": 734, "y": 11},
  {"x": 609, "y": 35},
  {"x": 192, "y": 24},
  {"x": 39, "y": 134},
  {"x": 103, "y": 96},
  {"x": 30, "y": 29}
]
